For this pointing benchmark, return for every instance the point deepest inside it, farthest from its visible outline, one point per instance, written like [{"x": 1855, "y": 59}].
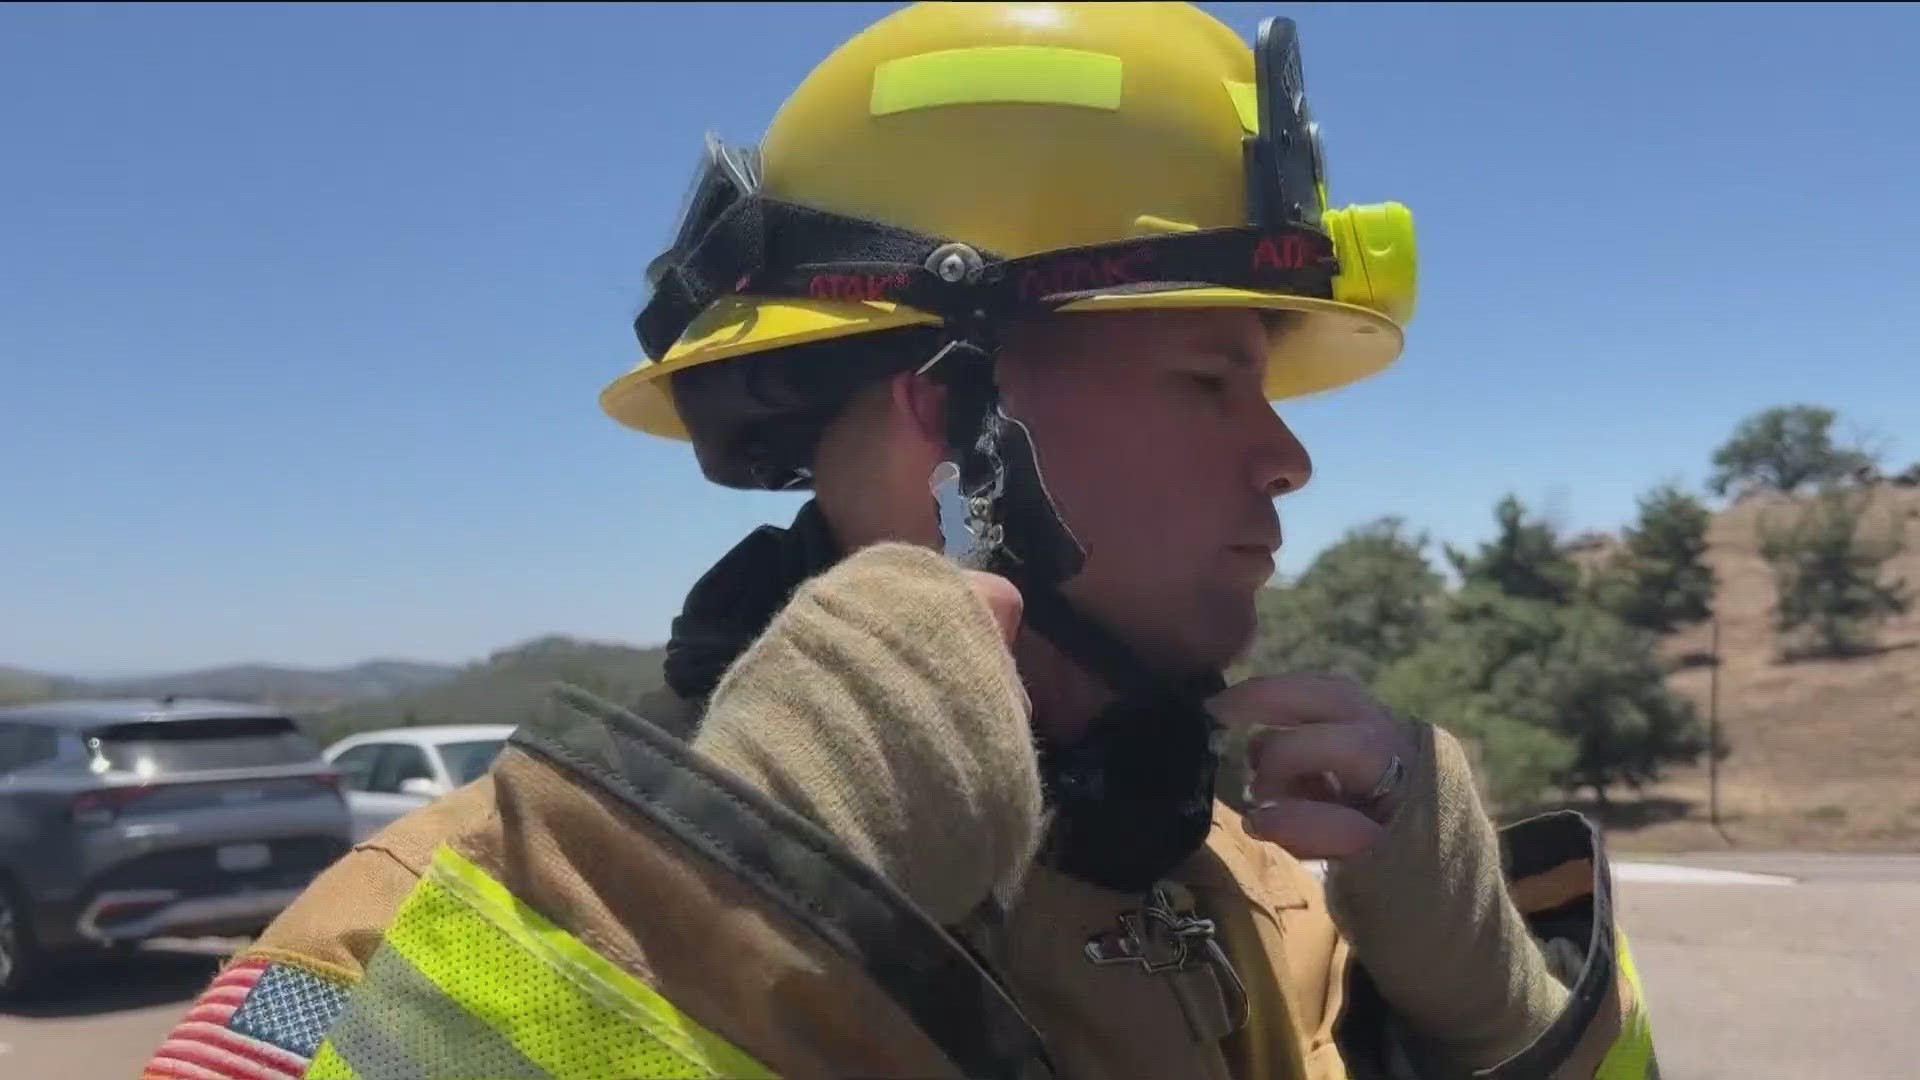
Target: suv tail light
[
  {"x": 100, "y": 807},
  {"x": 334, "y": 782}
]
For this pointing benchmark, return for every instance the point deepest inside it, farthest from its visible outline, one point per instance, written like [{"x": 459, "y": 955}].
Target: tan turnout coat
[{"x": 611, "y": 902}]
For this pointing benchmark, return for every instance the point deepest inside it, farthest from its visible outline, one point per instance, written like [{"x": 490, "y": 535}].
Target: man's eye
[{"x": 1213, "y": 384}]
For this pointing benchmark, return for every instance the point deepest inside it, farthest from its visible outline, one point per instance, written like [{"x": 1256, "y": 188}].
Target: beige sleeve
[
  {"x": 1428, "y": 913},
  {"x": 883, "y": 704}
]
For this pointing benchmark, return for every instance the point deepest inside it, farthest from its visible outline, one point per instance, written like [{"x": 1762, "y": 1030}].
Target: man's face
[{"x": 1164, "y": 457}]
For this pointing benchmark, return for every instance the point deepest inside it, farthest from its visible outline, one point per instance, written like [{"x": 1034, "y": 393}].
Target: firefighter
[{"x": 930, "y": 788}]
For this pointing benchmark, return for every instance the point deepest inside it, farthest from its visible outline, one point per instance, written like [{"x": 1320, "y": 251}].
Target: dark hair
[{"x": 756, "y": 420}]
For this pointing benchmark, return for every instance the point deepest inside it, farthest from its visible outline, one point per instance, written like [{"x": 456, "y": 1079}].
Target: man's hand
[
  {"x": 1318, "y": 744},
  {"x": 1002, "y": 598}
]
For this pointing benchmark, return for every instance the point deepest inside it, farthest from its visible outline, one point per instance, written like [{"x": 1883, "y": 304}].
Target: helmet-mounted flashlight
[{"x": 1286, "y": 165}]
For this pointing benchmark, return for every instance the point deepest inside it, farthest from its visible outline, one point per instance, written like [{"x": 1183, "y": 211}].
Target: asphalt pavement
[{"x": 1813, "y": 979}]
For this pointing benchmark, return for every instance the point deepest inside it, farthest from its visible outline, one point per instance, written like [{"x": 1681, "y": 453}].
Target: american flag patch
[{"x": 259, "y": 1020}]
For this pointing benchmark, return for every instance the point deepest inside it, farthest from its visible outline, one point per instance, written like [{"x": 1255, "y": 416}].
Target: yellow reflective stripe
[
  {"x": 570, "y": 1011},
  {"x": 328, "y": 1065},
  {"x": 1632, "y": 1053},
  {"x": 999, "y": 74},
  {"x": 1246, "y": 102}
]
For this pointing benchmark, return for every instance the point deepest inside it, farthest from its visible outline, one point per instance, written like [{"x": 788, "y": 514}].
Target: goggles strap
[{"x": 764, "y": 247}]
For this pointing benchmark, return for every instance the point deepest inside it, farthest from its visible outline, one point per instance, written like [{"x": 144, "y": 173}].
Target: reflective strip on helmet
[
  {"x": 1631, "y": 1056},
  {"x": 470, "y": 981},
  {"x": 996, "y": 75}
]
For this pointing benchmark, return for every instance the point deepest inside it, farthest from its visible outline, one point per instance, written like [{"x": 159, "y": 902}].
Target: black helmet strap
[{"x": 1133, "y": 799}]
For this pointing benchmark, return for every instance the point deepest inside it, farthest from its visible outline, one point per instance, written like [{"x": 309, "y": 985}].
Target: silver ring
[{"x": 1390, "y": 778}]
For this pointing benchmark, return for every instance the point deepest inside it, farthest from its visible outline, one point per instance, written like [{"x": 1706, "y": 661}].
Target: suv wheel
[{"x": 17, "y": 953}]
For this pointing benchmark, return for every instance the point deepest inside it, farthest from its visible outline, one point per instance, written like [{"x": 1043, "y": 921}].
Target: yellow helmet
[{"x": 960, "y": 162}]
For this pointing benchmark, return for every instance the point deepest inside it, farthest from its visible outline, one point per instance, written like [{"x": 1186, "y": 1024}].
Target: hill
[
  {"x": 21, "y": 687},
  {"x": 505, "y": 688},
  {"x": 293, "y": 688},
  {"x": 1824, "y": 752},
  {"x": 502, "y": 688},
  {"x": 300, "y": 689}
]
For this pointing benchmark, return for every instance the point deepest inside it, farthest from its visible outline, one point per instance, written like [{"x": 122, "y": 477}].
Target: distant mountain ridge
[
  {"x": 268, "y": 684},
  {"x": 509, "y": 687}
]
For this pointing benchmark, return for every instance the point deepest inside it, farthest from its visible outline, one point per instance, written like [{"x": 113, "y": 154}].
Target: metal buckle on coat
[{"x": 1162, "y": 939}]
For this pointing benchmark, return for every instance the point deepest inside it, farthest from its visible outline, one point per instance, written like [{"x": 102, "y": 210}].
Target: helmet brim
[{"x": 1331, "y": 345}]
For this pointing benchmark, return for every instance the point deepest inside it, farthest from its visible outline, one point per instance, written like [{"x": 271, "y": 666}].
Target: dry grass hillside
[{"x": 1824, "y": 753}]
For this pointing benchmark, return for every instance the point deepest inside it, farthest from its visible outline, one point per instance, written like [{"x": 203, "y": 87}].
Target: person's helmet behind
[{"x": 1017, "y": 129}]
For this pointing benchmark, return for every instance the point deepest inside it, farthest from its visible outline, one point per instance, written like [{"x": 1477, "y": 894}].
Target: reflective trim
[
  {"x": 469, "y": 981},
  {"x": 572, "y": 1012},
  {"x": 996, "y": 75},
  {"x": 1631, "y": 1056},
  {"x": 328, "y": 1065},
  {"x": 403, "y": 1027}
]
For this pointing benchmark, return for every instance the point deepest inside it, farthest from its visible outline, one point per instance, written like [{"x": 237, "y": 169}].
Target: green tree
[
  {"x": 1660, "y": 579},
  {"x": 1562, "y": 695},
  {"x": 1525, "y": 560},
  {"x": 1830, "y": 593},
  {"x": 1449, "y": 681},
  {"x": 1364, "y": 602},
  {"x": 1784, "y": 449}
]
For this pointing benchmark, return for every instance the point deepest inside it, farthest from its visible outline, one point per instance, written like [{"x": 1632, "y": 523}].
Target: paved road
[
  {"x": 1750, "y": 980},
  {"x": 1802, "y": 982},
  {"x": 113, "y": 1011}
]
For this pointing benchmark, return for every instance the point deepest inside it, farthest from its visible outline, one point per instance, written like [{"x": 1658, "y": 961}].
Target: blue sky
[{"x": 306, "y": 308}]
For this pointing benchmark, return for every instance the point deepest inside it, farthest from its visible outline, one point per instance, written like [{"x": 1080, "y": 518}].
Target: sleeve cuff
[{"x": 1558, "y": 876}]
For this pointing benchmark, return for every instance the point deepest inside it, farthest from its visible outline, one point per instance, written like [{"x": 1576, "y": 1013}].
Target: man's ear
[{"x": 921, "y": 404}]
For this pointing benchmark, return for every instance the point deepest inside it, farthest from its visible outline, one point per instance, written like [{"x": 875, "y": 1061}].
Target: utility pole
[{"x": 1713, "y": 731}]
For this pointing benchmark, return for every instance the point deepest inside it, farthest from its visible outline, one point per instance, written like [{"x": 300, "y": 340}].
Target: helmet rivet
[{"x": 954, "y": 263}]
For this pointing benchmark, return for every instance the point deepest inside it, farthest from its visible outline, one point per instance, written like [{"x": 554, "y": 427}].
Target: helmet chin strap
[{"x": 1133, "y": 798}]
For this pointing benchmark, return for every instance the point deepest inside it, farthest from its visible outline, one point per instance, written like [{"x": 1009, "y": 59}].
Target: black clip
[
  {"x": 1161, "y": 939},
  {"x": 1156, "y": 937}
]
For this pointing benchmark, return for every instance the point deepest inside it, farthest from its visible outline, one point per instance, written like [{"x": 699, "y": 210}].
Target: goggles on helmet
[{"x": 725, "y": 176}]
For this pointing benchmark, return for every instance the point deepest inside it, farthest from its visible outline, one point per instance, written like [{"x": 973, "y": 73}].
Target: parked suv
[{"x": 126, "y": 820}]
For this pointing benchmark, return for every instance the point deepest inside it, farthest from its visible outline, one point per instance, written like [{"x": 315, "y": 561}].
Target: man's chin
[
  {"x": 1218, "y": 639},
  {"x": 1237, "y": 629},
  {"x": 1207, "y": 631}
]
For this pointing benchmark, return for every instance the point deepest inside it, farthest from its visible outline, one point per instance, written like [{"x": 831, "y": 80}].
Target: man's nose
[{"x": 1281, "y": 462}]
